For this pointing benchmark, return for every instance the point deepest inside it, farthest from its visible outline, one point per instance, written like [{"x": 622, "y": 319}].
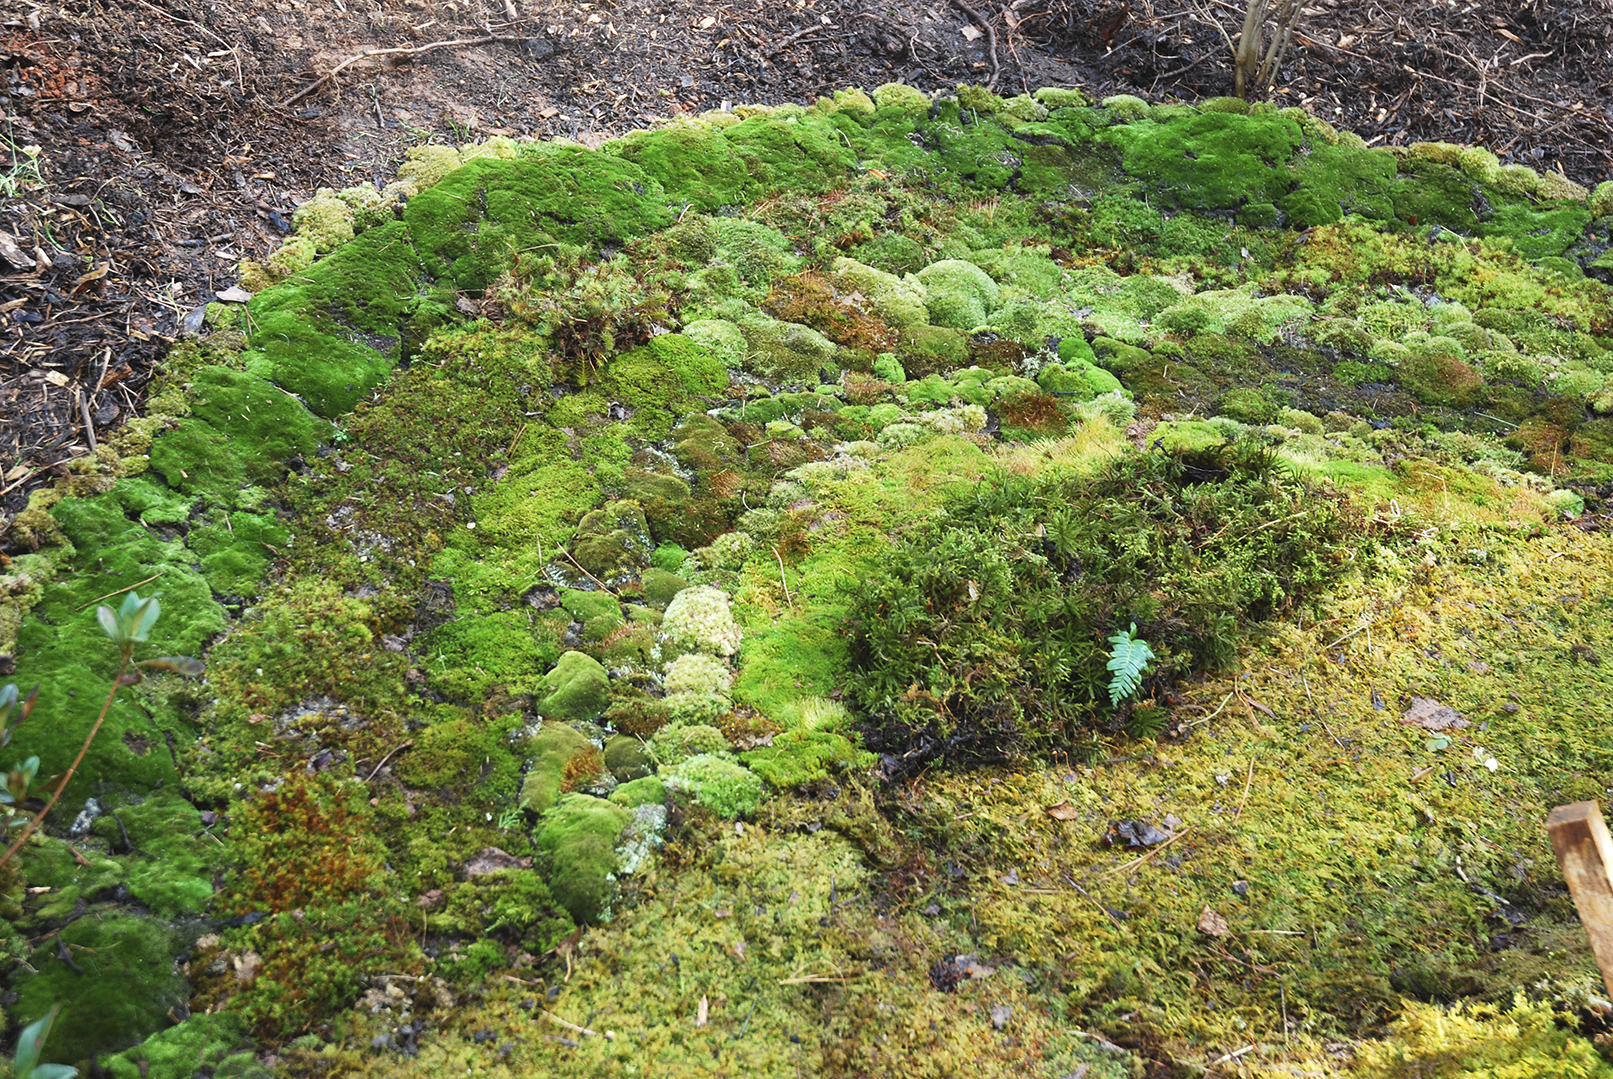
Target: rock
[
  {"x": 626, "y": 758},
  {"x": 579, "y": 835},
  {"x": 1000, "y": 1015},
  {"x": 578, "y": 689},
  {"x": 1430, "y": 715},
  {"x": 494, "y": 860}
]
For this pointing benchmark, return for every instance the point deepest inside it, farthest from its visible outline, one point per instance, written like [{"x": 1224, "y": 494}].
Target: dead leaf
[
  {"x": 14, "y": 254},
  {"x": 1063, "y": 811},
  {"x": 56, "y": 378},
  {"x": 1430, "y": 715},
  {"x": 233, "y": 294},
  {"x": 95, "y": 274},
  {"x": 702, "y": 1012},
  {"x": 970, "y": 33},
  {"x": 708, "y": 22},
  {"x": 1212, "y": 924}
]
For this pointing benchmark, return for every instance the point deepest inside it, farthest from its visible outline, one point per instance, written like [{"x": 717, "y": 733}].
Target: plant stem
[{"x": 117, "y": 683}]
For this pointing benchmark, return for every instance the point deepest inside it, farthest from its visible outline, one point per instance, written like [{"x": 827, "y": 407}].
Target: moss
[
  {"x": 1474, "y": 1040},
  {"x": 426, "y": 166},
  {"x": 697, "y": 165},
  {"x": 640, "y": 792},
  {"x": 599, "y": 612},
  {"x": 626, "y": 759},
  {"x": 236, "y": 553},
  {"x": 1212, "y": 161},
  {"x": 241, "y": 432},
  {"x": 461, "y": 754},
  {"x": 718, "y": 783},
  {"x": 578, "y": 689},
  {"x": 660, "y": 586},
  {"x": 324, "y": 220},
  {"x": 218, "y": 1043},
  {"x": 613, "y": 542},
  {"x": 797, "y": 758},
  {"x": 676, "y": 743},
  {"x": 785, "y": 351},
  {"x": 900, "y": 302},
  {"x": 171, "y": 871},
  {"x": 556, "y": 753},
  {"x": 470, "y": 655},
  {"x": 958, "y": 294},
  {"x": 900, "y": 97},
  {"x": 579, "y": 837},
  {"x": 126, "y": 980},
  {"x": 1127, "y": 108},
  {"x": 721, "y": 338}
]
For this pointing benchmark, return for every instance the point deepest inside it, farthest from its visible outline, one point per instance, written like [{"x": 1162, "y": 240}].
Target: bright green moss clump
[
  {"x": 579, "y": 836},
  {"x": 578, "y": 689}
]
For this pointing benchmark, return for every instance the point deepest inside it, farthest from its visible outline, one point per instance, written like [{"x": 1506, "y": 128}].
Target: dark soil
[{"x": 175, "y": 137}]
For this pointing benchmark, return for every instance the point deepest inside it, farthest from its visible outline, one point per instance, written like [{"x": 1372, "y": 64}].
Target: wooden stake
[{"x": 1585, "y": 855}]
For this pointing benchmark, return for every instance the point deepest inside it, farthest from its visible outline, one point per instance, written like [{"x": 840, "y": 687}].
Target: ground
[{"x": 989, "y": 583}]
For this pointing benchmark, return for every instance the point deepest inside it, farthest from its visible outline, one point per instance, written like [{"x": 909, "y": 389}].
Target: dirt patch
[{"x": 169, "y": 140}]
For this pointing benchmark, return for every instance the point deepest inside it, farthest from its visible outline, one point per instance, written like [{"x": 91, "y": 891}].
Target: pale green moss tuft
[
  {"x": 1601, "y": 201},
  {"x": 1480, "y": 164},
  {"x": 325, "y": 220},
  {"x": 1556, "y": 186},
  {"x": 1128, "y": 108},
  {"x": 958, "y": 294},
  {"x": 899, "y": 301},
  {"x": 425, "y": 166},
  {"x": 698, "y": 673},
  {"x": 700, "y": 619},
  {"x": 718, "y": 783},
  {"x": 1518, "y": 179},
  {"x": 674, "y": 744},
  {"x": 900, "y": 96},
  {"x": 721, "y": 337},
  {"x": 1445, "y": 153}
]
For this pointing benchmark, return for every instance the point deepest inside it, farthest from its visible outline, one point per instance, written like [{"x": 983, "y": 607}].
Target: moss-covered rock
[
  {"x": 626, "y": 758},
  {"x": 558, "y": 754},
  {"x": 120, "y": 986},
  {"x": 787, "y": 351},
  {"x": 613, "y": 542},
  {"x": 958, "y": 294},
  {"x": 579, "y": 838},
  {"x": 578, "y": 689}
]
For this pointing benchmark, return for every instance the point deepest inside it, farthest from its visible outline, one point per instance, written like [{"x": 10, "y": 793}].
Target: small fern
[{"x": 1128, "y": 661}]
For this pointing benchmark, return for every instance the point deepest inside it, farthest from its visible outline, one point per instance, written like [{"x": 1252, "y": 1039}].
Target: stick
[
  {"x": 1107, "y": 913},
  {"x": 378, "y": 767},
  {"x": 590, "y": 576},
  {"x": 608, "y": 1035},
  {"x": 1139, "y": 861},
  {"x": 991, "y": 39},
  {"x": 412, "y": 51},
  {"x": 781, "y": 579},
  {"x": 1247, "y": 784},
  {"x": 120, "y": 591}
]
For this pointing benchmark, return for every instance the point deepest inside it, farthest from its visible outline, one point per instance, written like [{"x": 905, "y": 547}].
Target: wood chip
[
  {"x": 56, "y": 378},
  {"x": 14, "y": 254},
  {"x": 1063, "y": 811}
]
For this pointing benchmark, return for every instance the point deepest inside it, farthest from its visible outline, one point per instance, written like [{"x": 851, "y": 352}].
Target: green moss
[
  {"x": 1212, "y": 161},
  {"x": 461, "y": 754},
  {"x": 718, "y": 783},
  {"x": 241, "y": 431},
  {"x": 324, "y": 220},
  {"x": 613, "y": 542},
  {"x": 125, "y": 985},
  {"x": 470, "y": 655},
  {"x": 550, "y": 752},
  {"x": 958, "y": 294},
  {"x": 786, "y": 351},
  {"x": 640, "y": 792},
  {"x": 695, "y": 164},
  {"x": 720, "y": 338},
  {"x": 676, "y": 743},
  {"x": 626, "y": 759},
  {"x": 578, "y": 689},
  {"x": 579, "y": 837},
  {"x": 236, "y": 553},
  {"x": 172, "y": 863},
  {"x": 217, "y": 1043},
  {"x": 797, "y": 758},
  {"x": 660, "y": 586}
]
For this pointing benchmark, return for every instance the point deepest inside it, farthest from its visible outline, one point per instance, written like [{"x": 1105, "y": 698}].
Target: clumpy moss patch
[{"x": 671, "y": 589}]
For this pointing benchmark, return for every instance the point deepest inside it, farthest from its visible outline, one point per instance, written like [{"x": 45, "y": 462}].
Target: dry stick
[
  {"x": 1247, "y": 784},
  {"x": 781, "y": 579},
  {"x": 991, "y": 39},
  {"x": 1135, "y": 862},
  {"x": 578, "y": 1029},
  {"x": 117, "y": 684},
  {"x": 411, "y": 51},
  {"x": 1107, "y": 913},
  {"x": 24, "y": 479},
  {"x": 590, "y": 576},
  {"x": 394, "y": 750},
  {"x": 120, "y": 591}
]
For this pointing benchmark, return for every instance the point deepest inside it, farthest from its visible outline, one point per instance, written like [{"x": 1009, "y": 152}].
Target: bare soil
[{"x": 175, "y": 137}]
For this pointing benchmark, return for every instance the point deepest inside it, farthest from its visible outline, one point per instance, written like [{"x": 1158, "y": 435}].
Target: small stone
[
  {"x": 1000, "y": 1015},
  {"x": 1240, "y": 887}
]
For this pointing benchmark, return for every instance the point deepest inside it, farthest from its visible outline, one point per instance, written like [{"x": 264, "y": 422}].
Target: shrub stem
[{"x": 117, "y": 683}]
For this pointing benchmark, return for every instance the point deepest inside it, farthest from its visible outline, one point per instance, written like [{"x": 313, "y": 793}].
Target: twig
[
  {"x": 24, "y": 479},
  {"x": 1107, "y": 913},
  {"x": 416, "y": 50},
  {"x": 187, "y": 22},
  {"x": 120, "y": 591},
  {"x": 1246, "y": 785},
  {"x": 991, "y": 39},
  {"x": 378, "y": 767},
  {"x": 1135, "y": 862},
  {"x": 61, "y": 785},
  {"x": 1234, "y": 1055},
  {"x": 590, "y": 576},
  {"x": 608, "y": 1035},
  {"x": 786, "y": 42},
  {"x": 787, "y": 598}
]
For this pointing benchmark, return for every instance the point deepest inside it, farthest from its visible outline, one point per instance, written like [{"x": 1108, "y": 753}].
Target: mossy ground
[{"x": 440, "y": 521}]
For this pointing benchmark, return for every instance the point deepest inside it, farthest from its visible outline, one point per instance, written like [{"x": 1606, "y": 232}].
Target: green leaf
[
  {"x": 110, "y": 625},
  {"x": 146, "y": 618},
  {"x": 1128, "y": 661},
  {"x": 54, "y": 1071},
  {"x": 31, "y": 1042}
]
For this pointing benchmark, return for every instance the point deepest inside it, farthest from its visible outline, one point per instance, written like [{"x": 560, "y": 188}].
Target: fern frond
[{"x": 1129, "y": 659}]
